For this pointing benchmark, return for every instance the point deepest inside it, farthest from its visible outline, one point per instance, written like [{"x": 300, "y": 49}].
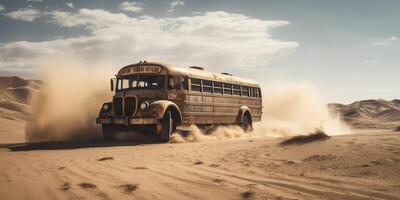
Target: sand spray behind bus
[{"x": 289, "y": 109}]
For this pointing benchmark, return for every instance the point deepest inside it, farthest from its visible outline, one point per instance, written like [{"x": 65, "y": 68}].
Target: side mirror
[{"x": 112, "y": 84}]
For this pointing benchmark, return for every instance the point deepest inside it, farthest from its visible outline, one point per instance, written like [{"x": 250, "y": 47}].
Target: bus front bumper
[{"x": 125, "y": 120}]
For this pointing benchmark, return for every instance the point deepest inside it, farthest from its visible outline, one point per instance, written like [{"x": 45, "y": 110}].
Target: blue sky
[{"x": 347, "y": 49}]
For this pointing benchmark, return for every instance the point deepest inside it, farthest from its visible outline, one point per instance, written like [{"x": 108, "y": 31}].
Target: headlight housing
[{"x": 144, "y": 105}]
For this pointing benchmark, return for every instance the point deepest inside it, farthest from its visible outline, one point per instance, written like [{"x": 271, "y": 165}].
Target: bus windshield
[{"x": 141, "y": 81}]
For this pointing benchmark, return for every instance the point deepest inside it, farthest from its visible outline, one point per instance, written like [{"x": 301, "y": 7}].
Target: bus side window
[
  {"x": 236, "y": 90},
  {"x": 245, "y": 91},
  {"x": 259, "y": 92},
  {"x": 227, "y": 88},
  {"x": 184, "y": 82},
  {"x": 170, "y": 82},
  {"x": 207, "y": 86},
  {"x": 174, "y": 82},
  {"x": 217, "y": 87},
  {"x": 195, "y": 85}
]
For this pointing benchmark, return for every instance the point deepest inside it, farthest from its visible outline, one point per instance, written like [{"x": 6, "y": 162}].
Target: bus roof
[{"x": 200, "y": 74}]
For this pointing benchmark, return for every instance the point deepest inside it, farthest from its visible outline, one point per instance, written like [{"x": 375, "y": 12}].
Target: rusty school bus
[{"x": 163, "y": 97}]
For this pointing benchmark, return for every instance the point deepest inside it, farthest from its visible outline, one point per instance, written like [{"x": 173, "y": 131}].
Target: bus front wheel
[
  {"x": 109, "y": 132},
  {"x": 167, "y": 127}
]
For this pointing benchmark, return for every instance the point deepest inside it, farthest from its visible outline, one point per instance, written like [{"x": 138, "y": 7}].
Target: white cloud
[
  {"x": 218, "y": 41},
  {"x": 379, "y": 43},
  {"x": 196, "y": 12},
  {"x": 135, "y": 7},
  {"x": 369, "y": 62},
  {"x": 385, "y": 42},
  {"x": 71, "y": 5},
  {"x": 2, "y": 7},
  {"x": 24, "y": 14},
  {"x": 175, "y": 4}
]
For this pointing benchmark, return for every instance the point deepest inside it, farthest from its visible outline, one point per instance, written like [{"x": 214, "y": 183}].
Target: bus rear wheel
[
  {"x": 167, "y": 127},
  {"x": 246, "y": 124}
]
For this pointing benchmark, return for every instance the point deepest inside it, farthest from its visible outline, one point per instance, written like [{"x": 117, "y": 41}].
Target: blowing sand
[
  {"x": 357, "y": 166},
  {"x": 66, "y": 107}
]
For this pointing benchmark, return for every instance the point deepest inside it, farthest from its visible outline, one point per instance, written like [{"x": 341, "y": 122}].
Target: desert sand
[
  {"x": 362, "y": 165},
  {"x": 358, "y": 166}
]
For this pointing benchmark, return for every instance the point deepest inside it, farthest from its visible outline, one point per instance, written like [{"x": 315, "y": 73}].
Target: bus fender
[
  {"x": 161, "y": 107},
  {"x": 242, "y": 111}
]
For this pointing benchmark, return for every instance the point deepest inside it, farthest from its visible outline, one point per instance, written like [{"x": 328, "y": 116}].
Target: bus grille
[
  {"x": 130, "y": 106},
  {"x": 118, "y": 106}
]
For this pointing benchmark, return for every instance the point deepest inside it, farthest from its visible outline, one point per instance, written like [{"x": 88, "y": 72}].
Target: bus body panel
[{"x": 207, "y": 108}]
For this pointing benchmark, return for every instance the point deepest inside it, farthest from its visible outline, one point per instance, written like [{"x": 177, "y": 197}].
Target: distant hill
[
  {"x": 15, "y": 94},
  {"x": 370, "y": 113}
]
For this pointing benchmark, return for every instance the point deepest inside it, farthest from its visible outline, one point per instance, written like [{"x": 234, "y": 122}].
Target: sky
[{"x": 348, "y": 49}]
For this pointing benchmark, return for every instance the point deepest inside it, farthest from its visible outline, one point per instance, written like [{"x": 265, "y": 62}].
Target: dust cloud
[
  {"x": 66, "y": 106},
  {"x": 289, "y": 109}
]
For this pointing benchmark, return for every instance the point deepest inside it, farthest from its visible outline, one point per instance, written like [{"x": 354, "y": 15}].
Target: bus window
[
  {"x": 125, "y": 83},
  {"x": 236, "y": 90},
  {"x": 142, "y": 81},
  {"x": 170, "y": 82},
  {"x": 259, "y": 92},
  {"x": 227, "y": 88},
  {"x": 174, "y": 82},
  {"x": 217, "y": 87},
  {"x": 141, "y": 84},
  {"x": 245, "y": 91},
  {"x": 195, "y": 85},
  {"x": 184, "y": 82},
  {"x": 207, "y": 86}
]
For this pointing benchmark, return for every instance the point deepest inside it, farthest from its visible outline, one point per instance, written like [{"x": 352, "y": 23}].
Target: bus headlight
[
  {"x": 106, "y": 106},
  {"x": 144, "y": 105}
]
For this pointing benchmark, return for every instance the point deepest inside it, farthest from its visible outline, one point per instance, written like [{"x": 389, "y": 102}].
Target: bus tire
[
  {"x": 167, "y": 127},
  {"x": 246, "y": 124},
  {"x": 109, "y": 132}
]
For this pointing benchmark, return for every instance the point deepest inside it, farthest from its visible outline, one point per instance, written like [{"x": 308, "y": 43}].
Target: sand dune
[
  {"x": 14, "y": 107},
  {"x": 15, "y": 93},
  {"x": 370, "y": 113}
]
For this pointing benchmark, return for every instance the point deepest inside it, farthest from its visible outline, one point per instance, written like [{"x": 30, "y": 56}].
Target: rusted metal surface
[{"x": 219, "y": 109}]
